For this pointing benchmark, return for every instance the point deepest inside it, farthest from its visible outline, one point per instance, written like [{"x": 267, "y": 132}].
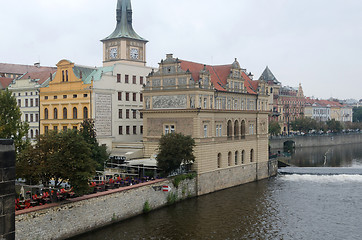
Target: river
[{"x": 285, "y": 207}]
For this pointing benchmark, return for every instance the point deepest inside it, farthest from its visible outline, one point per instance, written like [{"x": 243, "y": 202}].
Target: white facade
[{"x": 118, "y": 93}]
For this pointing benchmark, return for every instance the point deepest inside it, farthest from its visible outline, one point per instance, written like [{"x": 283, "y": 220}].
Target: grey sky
[{"x": 313, "y": 42}]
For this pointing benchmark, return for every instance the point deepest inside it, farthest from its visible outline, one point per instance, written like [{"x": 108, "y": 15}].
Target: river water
[{"x": 319, "y": 207}]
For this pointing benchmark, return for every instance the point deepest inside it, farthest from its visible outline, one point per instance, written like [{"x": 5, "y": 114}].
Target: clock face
[
  {"x": 113, "y": 53},
  {"x": 134, "y": 53}
]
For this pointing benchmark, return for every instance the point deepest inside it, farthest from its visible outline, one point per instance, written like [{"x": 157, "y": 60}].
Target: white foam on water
[
  {"x": 322, "y": 178},
  {"x": 356, "y": 163}
]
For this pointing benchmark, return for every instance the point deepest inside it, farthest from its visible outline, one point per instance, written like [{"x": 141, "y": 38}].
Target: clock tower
[{"x": 124, "y": 45}]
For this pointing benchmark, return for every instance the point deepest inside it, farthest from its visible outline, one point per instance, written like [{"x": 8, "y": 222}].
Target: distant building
[
  {"x": 324, "y": 110},
  {"x": 26, "y": 91},
  {"x": 221, "y": 108},
  {"x": 13, "y": 71},
  {"x": 5, "y": 82}
]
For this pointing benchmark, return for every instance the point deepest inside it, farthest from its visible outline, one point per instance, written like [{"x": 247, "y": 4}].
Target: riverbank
[{"x": 316, "y": 140}]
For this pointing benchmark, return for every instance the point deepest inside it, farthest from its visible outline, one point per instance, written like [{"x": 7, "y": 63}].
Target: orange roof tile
[
  {"x": 219, "y": 75},
  {"x": 41, "y": 76},
  {"x": 4, "y": 82}
]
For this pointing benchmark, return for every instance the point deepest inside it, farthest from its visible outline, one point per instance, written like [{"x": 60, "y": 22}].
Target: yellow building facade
[{"x": 66, "y": 102}]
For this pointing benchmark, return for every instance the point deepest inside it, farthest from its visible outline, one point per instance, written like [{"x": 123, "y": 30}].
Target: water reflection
[{"x": 333, "y": 156}]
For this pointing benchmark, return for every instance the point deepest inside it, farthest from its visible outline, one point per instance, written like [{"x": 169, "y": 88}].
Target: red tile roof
[
  {"x": 219, "y": 75},
  {"x": 41, "y": 76},
  {"x": 21, "y": 69},
  {"x": 4, "y": 82}
]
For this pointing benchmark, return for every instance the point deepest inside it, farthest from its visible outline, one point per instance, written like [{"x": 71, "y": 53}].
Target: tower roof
[
  {"x": 267, "y": 76},
  {"x": 124, "y": 27}
]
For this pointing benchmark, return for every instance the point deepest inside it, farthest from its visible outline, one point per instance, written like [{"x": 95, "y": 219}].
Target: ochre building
[{"x": 66, "y": 102}]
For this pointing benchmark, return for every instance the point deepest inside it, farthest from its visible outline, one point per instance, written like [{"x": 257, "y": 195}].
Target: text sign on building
[{"x": 103, "y": 114}]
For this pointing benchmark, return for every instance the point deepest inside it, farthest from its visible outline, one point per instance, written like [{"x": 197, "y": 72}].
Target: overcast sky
[{"x": 317, "y": 43}]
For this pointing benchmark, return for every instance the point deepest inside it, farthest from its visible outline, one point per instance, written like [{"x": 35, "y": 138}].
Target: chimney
[
  {"x": 37, "y": 64},
  {"x": 170, "y": 55}
]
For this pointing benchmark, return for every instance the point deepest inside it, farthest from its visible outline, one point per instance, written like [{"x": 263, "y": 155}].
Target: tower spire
[{"x": 124, "y": 27}]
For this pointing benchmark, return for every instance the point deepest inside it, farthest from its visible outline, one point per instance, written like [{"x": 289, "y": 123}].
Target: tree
[
  {"x": 334, "y": 126},
  {"x": 11, "y": 126},
  {"x": 175, "y": 149},
  {"x": 274, "y": 128},
  {"x": 62, "y": 157},
  {"x": 357, "y": 114},
  {"x": 303, "y": 124},
  {"x": 99, "y": 152}
]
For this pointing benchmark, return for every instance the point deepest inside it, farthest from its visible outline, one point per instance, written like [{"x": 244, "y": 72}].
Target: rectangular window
[
  {"x": 141, "y": 80},
  {"x": 126, "y": 79},
  {"x": 64, "y": 96},
  {"x": 127, "y": 130},
  {"x": 55, "y": 97},
  {"x": 46, "y": 128},
  {"x": 120, "y": 130},
  {"x": 85, "y": 95},
  {"x": 127, "y": 96},
  {"x": 119, "y": 96},
  {"x": 172, "y": 128},
  {"x": 141, "y": 115},
  {"x": 134, "y": 112},
  {"x": 141, "y": 97},
  {"x": 167, "y": 129},
  {"x": 31, "y": 102},
  {"x": 36, "y": 117},
  {"x": 26, "y": 102},
  {"x": 65, "y": 128},
  {"x": 134, "y": 130},
  {"x": 127, "y": 113},
  {"x": 118, "y": 78},
  {"x": 19, "y": 102},
  {"x": 205, "y": 131},
  {"x": 141, "y": 129},
  {"x": 36, "y": 102},
  {"x": 120, "y": 113},
  {"x": 217, "y": 130},
  {"x": 31, "y": 118},
  {"x": 134, "y": 81},
  {"x": 55, "y": 128},
  {"x": 205, "y": 102},
  {"x": 134, "y": 97},
  {"x": 75, "y": 96},
  {"x": 26, "y": 117},
  {"x": 75, "y": 127}
]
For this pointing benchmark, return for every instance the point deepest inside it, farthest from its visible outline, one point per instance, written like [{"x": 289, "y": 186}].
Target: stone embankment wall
[
  {"x": 59, "y": 221},
  {"x": 317, "y": 140},
  {"x": 235, "y": 175},
  {"x": 7, "y": 190}
]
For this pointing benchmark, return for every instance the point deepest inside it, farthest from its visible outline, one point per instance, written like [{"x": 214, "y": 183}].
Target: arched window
[
  {"x": 236, "y": 129},
  {"x": 229, "y": 129},
  {"x": 271, "y": 90},
  {"x": 251, "y": 155},
  {"x": 85, "y": 112},
  {"x": 46, "y": 113},
  {"x": 242, "y": 130},
  {"x": 31, "y": 133},
  {"x": 65, "y": 113},
  {"x": 66, "y": 72},
  {"x": 219, "y": 160},
  {"x": 75, "y": 113},
  {"x": 63, "y": 76},
  {"x": 229, "y": 159},
  {"x": 236, "y": 158},
  {"x": 242, "y": 157},
  {"x": 36, "y": 132},
  {"x": 55, "y": 113}
]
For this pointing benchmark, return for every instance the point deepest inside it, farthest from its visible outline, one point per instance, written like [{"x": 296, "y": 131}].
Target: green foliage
[
  {"x": 63, "y": 156},
  {"x": 99, "y": 152},
  {"x": 146, "y": 207},
  {"x": 176, "y": 180},
  {"x": 334, "y": 126},
  {"x": 274, "y": 128},
  {"x": 304, "y": 124},
  {"x": 171, "y": 198},
  {"x": 357, "y": 114},
  {"x": 175, "y": 149},
  {"x": 11, "y": 126}
]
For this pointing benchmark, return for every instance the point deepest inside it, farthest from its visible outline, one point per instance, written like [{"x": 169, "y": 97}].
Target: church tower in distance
[{"x": 124, "y": 45}]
